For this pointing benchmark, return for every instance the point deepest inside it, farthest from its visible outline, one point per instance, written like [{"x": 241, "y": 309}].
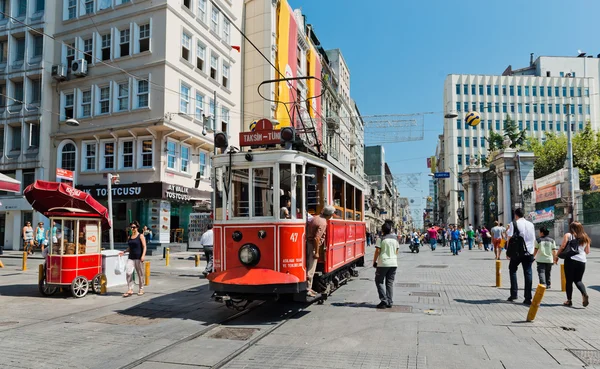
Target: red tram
[{"x": 262, "y": 202}]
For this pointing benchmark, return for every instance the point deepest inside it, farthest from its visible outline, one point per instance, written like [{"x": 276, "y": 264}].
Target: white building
[
  {"x": 536, "y": 99},
  {"x": 25, "y": 107},
  {"x": 146, "y": 103}
]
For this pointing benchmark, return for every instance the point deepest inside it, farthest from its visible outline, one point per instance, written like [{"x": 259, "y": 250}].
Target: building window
[
  {"x": 69, "y": 104},
  {"x": 497, "y": 107},
  {"x": 214, "y": 66},
  {"x": 571, "y": 91},
  {"x": 459, "y": 159},
  {"x": 481, "y": 107},
  {"x": 519, "y": 90},
  {"x": 587, "y": 109},
  {"x": 226, "y": 30},
  {"x": 86, "y": 104},
  {"x": 203, "y": 160},
  {"x": 458, "y": 124},
  {"x": 459, "y": 141},
  {"x": 580, "y": 125},
  {"x": 186, "y": 42},
  {"x": 550, "y": 125},
  {"x": 587, "y": 91},
  {"x": 124, "y": 37},
  {"x": 512, "y": 90},
  {"x": 3, "y": 52},
  {"x": 71, "y": 9},
  {"x": 458, "y": 106},
  {"x": 214, "y": 19},
  {"x": 21, "y": 8},
  {"x": 127, "y": 154},
  {"x": 497, "y": 125},
  {"x": 543, "y": 124},
  {"x": 512, "y": 107},
  {"x": 520, "y": 125},
  {"x": 171, "y": 158},
  {"x": 488, "y": 89},
  {"x": 496, "y": 88},
  {"x": 550, "y": 108},
  {"x": 564, "y": 91},
  {"x": 535, "y": 125},
  {"x": 34, "y": 136},
  {"x": 106, "y": 42},
  {"x": 200, "y": 55},
  {"x": 185, "y": 158},
  {"x": 534, "y": 90},
  {"x": 542, "y": 108},
  {"x": 199, "y": 105},
  {"x": 556, "y": 91},
  {"x": 144, "y": 42},
  {"x": 467, "y": 159},
  {"x": 213, "y": 110},
  {"x": 489, "y": 125},
  {"x": 142, "y": 93},
  {"x": 549, "y": 88},
  {"x": 520, "y": 108},
  {"x": 504, "y": 107},
  {"x": 184, "y": 99},
  {"x": 482, "y": 142},
  {"x": 474, "y": 105},
  {"x": 224, "y": 119},
  {"x": 474, "y": 141},
  {"x": 67, "y": 156},
  {"x": 467, "y": 142},
  {"x": 465, "y": 89},
  {"x": 20, "y": 54},
  {"x": 70, "y": 53},
  {"x": 187, "y": 3},
  {"x": 123, "y": 96},
  {"x": 526, "y": 90},
  {"x": 225, "y": 75},
  {"x": 579, "y": 91},
  {"x": 458, "y": 89},
  {"x": 104, "y": 100},
  {"x": 40, "y": 5},
  {"x": 38, "y": 46},
  {"x": 472, "y": 89},
  {"x": 580, "y": 108},
  {"x": 542, "y": 91},
  {"x": 89, "y": 156},
  {"x": 527, "y": 108},
  {"x": 89, "y": 6},
  {"x": 108, "y": 155},
  {"x": 146, "y": 153},
  {"x": 88, "y": 49},
  {"x": 527, "y": 125},
  {"x": 202, "y": 10},
  {"x": 36, "y": 91}
]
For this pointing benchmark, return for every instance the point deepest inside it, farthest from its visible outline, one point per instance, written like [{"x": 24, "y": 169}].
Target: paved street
[{"x": 446, "y": 315}]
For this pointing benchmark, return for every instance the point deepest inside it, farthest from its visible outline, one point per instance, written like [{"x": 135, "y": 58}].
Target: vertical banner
[
  {"x": 287, "y": 45},
  {"x": 433, "y": 163}
]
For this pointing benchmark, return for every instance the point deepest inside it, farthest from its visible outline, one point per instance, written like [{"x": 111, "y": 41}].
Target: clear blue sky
[{"x": 399, "y": 52}]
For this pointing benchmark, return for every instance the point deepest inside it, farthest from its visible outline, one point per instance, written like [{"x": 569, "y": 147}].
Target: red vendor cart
[{"x": 76, "y": 220}]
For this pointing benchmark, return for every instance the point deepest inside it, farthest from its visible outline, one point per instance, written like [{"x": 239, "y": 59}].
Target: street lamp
[
  {"x": 112, "y": 178},
  {"x": 72, "y": 122}
]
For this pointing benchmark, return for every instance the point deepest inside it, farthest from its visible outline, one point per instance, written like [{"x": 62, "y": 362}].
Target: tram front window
[
  {"x": 262, "y": 184},
  {"x": 285, "y": 191},
  {"x": 300, "y": 207},
  {"x": 218, "y": 186},
  {"x": 240, "y": 184}
]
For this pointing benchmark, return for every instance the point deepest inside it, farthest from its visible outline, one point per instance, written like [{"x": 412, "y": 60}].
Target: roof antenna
[{"x": 531, "y": 59}]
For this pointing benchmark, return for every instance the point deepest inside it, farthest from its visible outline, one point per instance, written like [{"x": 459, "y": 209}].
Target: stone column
[
  {"x": 507, "y": 199},
  {"x": 470, "y": 213},
  {"x": 500, "y": 199}
]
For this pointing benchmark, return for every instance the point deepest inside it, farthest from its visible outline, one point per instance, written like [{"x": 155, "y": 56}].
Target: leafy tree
[
  {"x": 494, "y": 141},
  {"x": 586, "y": 156},
  {"x": 550, "y": 155},
  {"x": 511, "y": 130}
]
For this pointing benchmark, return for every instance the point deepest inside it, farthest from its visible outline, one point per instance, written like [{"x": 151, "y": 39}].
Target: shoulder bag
[{"x": 571, "y": 249}]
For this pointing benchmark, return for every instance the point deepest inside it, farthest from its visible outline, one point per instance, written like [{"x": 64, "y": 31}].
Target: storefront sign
[
  {"x": 154, "y": 190},
  {"x": 548, "y": 193},
  {"x": 179, "y": 193},
  {"x": 64, "y": 174},
  {"x": 542, "y": 215},
  {"x": 549, "y": 180}
]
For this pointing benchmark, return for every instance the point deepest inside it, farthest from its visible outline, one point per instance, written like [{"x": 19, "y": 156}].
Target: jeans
[
  {"x": 432, "y": 242},
  {"x": 385, "y": 290},
  {"x": 454, "y": 246},
  {"x": 526, "y": 262},
  {"x": 470, "y": 243},
  {"x": 574, "y": 274},
  {"x": 544, "y": 272},
  {"x": 208, "y": 253}
]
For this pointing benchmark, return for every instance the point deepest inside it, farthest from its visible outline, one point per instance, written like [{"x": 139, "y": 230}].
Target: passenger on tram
[
  {"x": 286, "y": 204},
  {"x": 315, "y": 238}
]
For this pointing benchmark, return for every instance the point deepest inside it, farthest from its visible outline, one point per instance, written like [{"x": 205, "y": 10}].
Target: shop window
[
  {"x": 239, "y": 182},
  {"x": 285, "y": 191},
  {"x": 262, "y": 184}
]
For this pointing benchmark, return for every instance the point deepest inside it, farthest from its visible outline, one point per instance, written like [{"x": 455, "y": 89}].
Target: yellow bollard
[
  {"x": 40, "y": 272},
  {"x": 563, "y": 279},
  {"x": 103, "y": 282},
  {"x": 167, "y": 257},
  {"x": 197, "y": 260},
  {"x": 24, "y": 268},
  {"x": 535, "y": 303},
  {"x": 1, "y": 265},
  {"x": 498, "y": 273},
  {"x": 147, "y": 273}
]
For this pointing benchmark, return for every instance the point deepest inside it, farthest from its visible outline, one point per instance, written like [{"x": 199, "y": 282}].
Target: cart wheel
[
  {"x": 46, "y": 290},
  {"x": 96, "y": 283},
  {"x": 79, "y": 287}
]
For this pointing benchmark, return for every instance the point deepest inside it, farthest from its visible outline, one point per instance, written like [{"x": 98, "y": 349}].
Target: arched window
[{"x": 68, "y": 155}]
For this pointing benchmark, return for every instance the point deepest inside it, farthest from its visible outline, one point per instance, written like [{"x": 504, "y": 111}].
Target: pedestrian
[
  {"x": 575, "y": 265},
  {"x": 521, "y": 240},
  {"x": 486, "y": 238},
  {"x": 478, "y": 238},
  {"x": 455, "y": 240},
  {"x": 432, "y": 233},
  {"x": 137, "y": 253},
  {"x": 368, "y": 237},
  {"x": 497, "y": 234},
  {"x": 147, "y": 233},
  {"x": 470, "y": 237},
  {"x": 545, "y": 253},
  {"x": 206, "y": 240},
  {"x": 315, "y": 238},
  {"x": 462, "y": 238},
  {"x": 40, "y": 235},
  {"x": 28, "y": 238},
  {"x": 385, "y": 262}
]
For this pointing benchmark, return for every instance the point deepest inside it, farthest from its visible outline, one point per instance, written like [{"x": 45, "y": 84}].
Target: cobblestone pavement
[{"x": 447, "y": 314}]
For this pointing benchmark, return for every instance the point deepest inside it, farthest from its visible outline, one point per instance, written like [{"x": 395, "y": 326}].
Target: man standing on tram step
[
  {"x": 385, "y": 261},
  {"x": 520, "y": 250},
  {"x": 315, "y": 238},
  {"x": 207, "y": 245}
]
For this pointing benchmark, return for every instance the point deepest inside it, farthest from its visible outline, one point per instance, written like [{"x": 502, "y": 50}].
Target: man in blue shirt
[{"x": 455, "y": 240}]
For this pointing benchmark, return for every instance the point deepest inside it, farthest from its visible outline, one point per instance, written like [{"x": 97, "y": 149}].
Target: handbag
[{"x": 571, "y": 249}]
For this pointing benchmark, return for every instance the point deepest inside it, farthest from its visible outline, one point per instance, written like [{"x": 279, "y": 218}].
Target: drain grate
[
  {"x": 433, "y": 266},
  {"x": 589, "y": 357},
  {"x": 237, "y": 334},
  {"x": 398, "y": 309},
  {"x": 3, "y": 324},
  {"x": 409, "y": 285},
  {"x": 425, "y": 294}
]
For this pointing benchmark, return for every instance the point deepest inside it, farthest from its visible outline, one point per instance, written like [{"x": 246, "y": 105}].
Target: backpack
[
  {"x": 571, "y": 249},
  {"x": 516, "y": 246}
]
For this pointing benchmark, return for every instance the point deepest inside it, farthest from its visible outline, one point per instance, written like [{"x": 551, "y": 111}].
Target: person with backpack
[
  {"x": 521, "y": 246},
  {"x": 574, "y": 249}
]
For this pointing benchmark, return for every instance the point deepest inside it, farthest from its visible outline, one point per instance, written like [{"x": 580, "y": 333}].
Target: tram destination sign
[{"x": 258, "y": 138}]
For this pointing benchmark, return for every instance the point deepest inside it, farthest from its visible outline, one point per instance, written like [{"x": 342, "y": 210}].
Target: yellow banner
[{"x": 595, "y": 183}]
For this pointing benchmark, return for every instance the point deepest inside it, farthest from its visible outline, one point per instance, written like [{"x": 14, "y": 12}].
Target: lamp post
[{"x": 110, "y": 178}]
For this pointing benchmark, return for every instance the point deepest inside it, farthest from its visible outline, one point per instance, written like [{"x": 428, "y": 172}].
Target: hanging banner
[
  {"x": 550, "y": 180},
  {"x": 542, "y": 215},
  {"x": 548, "y": 193},
  {"x": 595, "y": 183}
]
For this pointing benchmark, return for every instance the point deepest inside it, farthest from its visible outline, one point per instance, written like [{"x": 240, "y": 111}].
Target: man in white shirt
[
  {"x": 207, "y": 245},
  {"x": 527, "y": 231}
]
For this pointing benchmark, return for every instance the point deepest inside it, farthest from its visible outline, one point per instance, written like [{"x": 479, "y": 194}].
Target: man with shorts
[{"x": 497, "y": 236}]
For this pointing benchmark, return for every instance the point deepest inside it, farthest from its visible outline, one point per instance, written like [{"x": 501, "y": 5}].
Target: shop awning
[
  {"x": 52, "y": 198},
  {"x": 9, "y": 184}
]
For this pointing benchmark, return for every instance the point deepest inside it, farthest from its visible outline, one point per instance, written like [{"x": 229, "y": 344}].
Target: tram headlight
[{"x": 249, "y": 255}]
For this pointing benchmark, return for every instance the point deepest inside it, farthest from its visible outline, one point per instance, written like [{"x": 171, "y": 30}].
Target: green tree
[
  {"x": 586, "y": 154},
  {"x": 494, "y": 141},
  {"x": 550, "y": 156},
  {"x": 511, "y": 130}
]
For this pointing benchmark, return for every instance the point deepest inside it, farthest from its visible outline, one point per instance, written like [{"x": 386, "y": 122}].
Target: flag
[
  {"x": 428, "y": 162},
  {"x": 238, "y": 48}
]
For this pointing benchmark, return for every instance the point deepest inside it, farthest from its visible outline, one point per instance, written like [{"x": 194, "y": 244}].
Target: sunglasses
[{"x": 133, "y": 227}]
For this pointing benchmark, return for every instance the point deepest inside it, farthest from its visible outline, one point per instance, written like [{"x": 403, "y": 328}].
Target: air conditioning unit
[
  {"x": 79, "y": 67},
  {"x": 59, "y": 72}
]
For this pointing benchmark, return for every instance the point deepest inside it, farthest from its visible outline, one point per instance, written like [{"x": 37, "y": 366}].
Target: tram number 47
[{"x": 294, "y": 237}]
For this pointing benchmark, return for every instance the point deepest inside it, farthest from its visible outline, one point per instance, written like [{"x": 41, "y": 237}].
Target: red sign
[
  {"x": 428, "y": 162},
  {"x": 64, "y": 174},
  {"x": 263, "y": 134},
  {"x": 548, "y": 193}
]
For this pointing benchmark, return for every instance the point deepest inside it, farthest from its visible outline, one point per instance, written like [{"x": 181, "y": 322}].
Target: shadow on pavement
[
  {"x": 354, "y": 304},
  {"x": 483, "y": 302},
  {"x": 31, "y": 290},
  {"x": 597, "y": 288}
]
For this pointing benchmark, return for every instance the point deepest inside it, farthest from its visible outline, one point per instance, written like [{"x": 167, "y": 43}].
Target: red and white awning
[{"x": 9, "y": 184}]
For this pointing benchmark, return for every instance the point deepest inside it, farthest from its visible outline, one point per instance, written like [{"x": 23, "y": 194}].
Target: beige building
[{"x": 149, "y": 82}]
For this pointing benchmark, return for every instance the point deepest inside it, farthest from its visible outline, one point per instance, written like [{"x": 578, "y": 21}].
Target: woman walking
[
  {"x": 40, "y": 235},
  {"x": 137, "y": 253},
  {"x": 487, "y": 239},
  {"x": 575, "y": 265},
  {"x": 28, "y": 238}
]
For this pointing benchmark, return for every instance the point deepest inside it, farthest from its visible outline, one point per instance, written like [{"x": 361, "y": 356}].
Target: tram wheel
[
  {"x": 45, "y": 289},
  {"x": 96, "y": 283},
  {"x": 79, "y": 287}
]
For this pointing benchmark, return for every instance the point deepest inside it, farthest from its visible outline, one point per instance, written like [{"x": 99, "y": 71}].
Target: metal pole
[
  {"x": 111, "y": 239},
  {"x": 570, "y": 165}
]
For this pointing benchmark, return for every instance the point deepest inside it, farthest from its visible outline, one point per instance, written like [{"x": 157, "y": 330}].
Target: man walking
[
  {"x": 432, "y": 233},
  {"x": 521, "y": 239},
  {"x": 497, "y": 234},
  {"x": 470, "y": 236},
  {"x": 315, "y": 238},
  {"x": 545, "y": 251},
  {"x": 206, "y": 240},
  {"x": 385, "y": 261},
  {"x": 454, "y": 240}
]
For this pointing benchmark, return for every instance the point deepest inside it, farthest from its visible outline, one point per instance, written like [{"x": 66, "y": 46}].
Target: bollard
[
  {"x": 40, "y": 273},
  {"x": 535, "y": 303},
  {"x": 147, "y": 273},
  {"x": 167, "y": 256},
  {"x": 197, "y": 260},
  {"x": 1, "y": 265},
  {"x": 103, "y": 282},
  {"x": 24, "y": 268},
  {"x": 498, "y": 273},
  {"x": 563, "y": 279}
]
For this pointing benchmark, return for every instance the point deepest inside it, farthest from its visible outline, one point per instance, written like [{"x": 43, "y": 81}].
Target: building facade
[
  {"x": 538, "y": 98},
  {"x": 26, "y": 112},
  {"x": 149, "y": 83}
]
